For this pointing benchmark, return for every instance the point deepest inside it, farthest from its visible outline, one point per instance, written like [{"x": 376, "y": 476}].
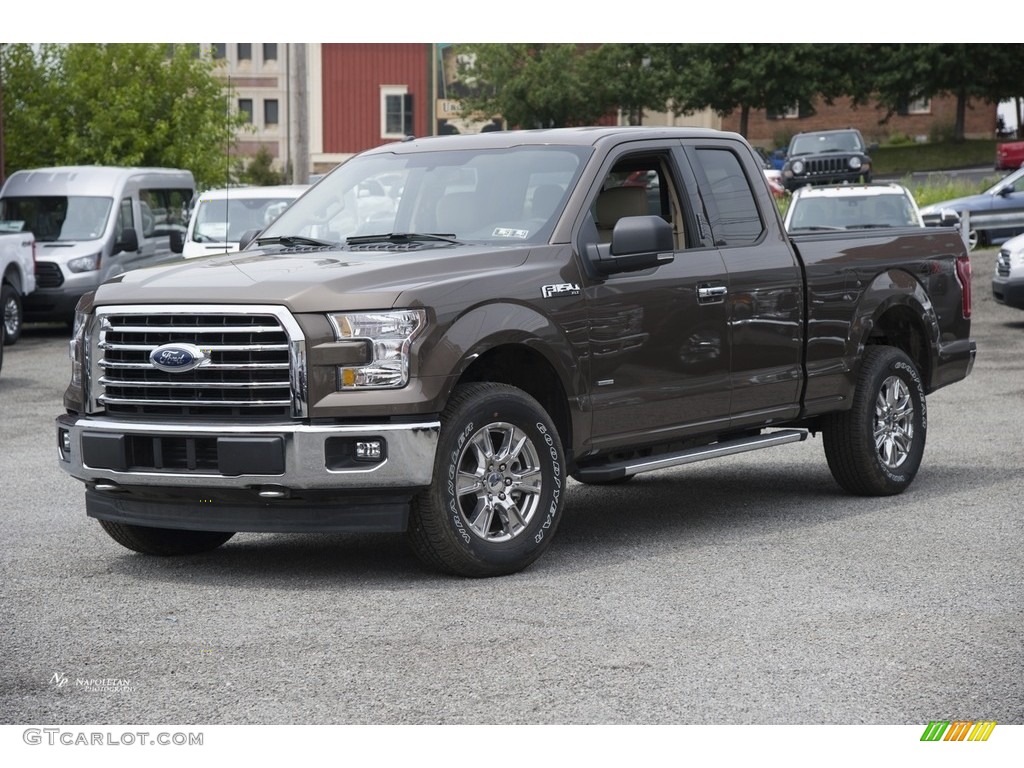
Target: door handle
[{"x": 708, "y": 293}]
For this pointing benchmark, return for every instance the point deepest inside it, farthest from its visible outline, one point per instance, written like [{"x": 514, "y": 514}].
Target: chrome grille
[
  {"x": 248, "y": 371},
  {"x": 1003, "y": 263},
  {"x": 48, "y": 275}
]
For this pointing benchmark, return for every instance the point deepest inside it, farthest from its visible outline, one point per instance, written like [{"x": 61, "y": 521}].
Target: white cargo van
[
  {"x": 93, "y": 222},
  {"x": 221, "y": 216}
]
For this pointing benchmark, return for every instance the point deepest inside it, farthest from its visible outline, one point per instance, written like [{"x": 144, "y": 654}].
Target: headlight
[
  {"x": 76, "y": 348},
  {"x": 855, "y": 163},
  {"x": 85, "y": 263},
  {"x": 798, "y": 167},
  {"x": 390, "y": 335}
]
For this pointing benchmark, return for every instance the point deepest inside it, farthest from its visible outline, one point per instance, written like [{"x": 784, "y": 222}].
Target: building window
[
  {"x": 245, "y": 108},
  {"x": 245, "y": 51},
  {"x": 270, "y": 112},
  {"x": 395, "y": 112},
  {"x": 220, "y": 50},
  {"x": 922, "y": 106},
  {"x": 270, "y": 51}
]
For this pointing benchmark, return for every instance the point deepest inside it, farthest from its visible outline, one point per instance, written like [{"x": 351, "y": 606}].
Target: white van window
[
  {"x": 227, "y": 220},
  {"x": 163, "y": 210},
  {"x": 53, "y": 218}
]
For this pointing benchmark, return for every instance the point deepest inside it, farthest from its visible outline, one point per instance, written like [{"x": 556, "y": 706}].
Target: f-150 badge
[{"x": 560, "y": 289}]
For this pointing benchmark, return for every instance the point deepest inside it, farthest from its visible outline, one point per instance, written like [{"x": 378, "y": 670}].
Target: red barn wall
[{"x": 352, "y": 76}]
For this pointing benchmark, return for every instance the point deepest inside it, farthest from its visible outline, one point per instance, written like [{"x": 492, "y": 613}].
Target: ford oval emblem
[{"x": 177, "y": 358}]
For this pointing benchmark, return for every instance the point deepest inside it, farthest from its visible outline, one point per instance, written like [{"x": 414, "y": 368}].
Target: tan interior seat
[{"x": 616, "y": 202}]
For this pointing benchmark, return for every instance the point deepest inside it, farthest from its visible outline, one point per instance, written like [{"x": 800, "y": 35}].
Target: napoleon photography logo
[
  {"x": 59, "y": 680},
  {"x": 958, "y": 730},
  {"x": 93, "y": 685}
]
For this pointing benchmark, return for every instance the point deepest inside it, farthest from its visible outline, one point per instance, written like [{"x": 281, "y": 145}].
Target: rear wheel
[
  {"x": 875, "y": 448},
  {"x": 13, "y": 317},
  {"x": 498, "y": 485},
  {"x": 164, "y": 541}
]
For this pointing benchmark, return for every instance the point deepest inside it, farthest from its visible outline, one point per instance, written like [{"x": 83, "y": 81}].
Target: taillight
[{"x": 963, "y": 274}]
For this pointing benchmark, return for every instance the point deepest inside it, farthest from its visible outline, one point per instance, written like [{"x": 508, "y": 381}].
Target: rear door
[{"x": 763, "y": 306}]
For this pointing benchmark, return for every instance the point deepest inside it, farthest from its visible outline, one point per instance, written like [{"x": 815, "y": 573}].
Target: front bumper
[
  {"x": 1008, "y": 291},
  {"x": 276, "y": 477}
]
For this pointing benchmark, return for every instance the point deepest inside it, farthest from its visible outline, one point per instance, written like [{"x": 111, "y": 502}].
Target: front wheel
[
  {"x": 13, "y": 317},
  {"x": 498, "y": 487},
  {"x": 164, "y": 541},
  {"x": 875, "y": 448}
]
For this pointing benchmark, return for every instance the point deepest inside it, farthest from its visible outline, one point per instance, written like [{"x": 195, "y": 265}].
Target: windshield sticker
[{"x": 519, "y": 234}]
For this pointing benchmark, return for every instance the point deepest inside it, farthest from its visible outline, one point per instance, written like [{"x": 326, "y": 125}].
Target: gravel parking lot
[{"x": 747, "y": 590}]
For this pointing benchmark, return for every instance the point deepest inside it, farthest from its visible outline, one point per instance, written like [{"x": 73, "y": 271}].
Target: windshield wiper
[
  {"x": 290, "y": 241},
  {"x": 403, "y": 237}
]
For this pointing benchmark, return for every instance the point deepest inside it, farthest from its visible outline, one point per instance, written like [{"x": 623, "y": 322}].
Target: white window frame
[{"x": 385, "y": 91}]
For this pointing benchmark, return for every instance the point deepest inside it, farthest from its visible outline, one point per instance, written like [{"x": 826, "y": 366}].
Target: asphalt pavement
[{"x": 747, "y": 590}]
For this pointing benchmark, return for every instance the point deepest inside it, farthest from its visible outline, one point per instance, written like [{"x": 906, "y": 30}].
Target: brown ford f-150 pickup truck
[{"x": 441, "y": 332}]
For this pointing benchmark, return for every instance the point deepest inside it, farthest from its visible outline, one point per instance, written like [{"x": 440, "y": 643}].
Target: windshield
[
  {"x": 812, "y": 144},
  {"x": 219, "y": 221},
  {"x": 1012, "y": 180},
  {"x": 478, "y": 195},
  {"x": 866, "y": 212},
  {"x": 56, "y": 218}
]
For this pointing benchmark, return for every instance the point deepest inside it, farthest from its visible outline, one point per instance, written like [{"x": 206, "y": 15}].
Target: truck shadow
[{"x": 601, "y": 526}]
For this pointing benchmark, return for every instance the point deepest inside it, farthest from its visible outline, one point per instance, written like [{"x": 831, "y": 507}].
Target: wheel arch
[
  {"x": 516, "y": 345},
  {"x": 897, "y": 312}
]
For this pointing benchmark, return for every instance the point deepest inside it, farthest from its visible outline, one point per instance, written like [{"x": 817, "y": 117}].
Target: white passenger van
[
  {"x": 93, "y": 222},
  {"x": 222, "y": 216}
]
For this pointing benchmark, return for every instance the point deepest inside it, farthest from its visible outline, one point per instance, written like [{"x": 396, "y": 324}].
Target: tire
[
  {"x": 165, "y": 542},
  {"x": 13, "y": 317},
  {"x": 875, "y": 448},
  {"x": 498, "y": 488}
]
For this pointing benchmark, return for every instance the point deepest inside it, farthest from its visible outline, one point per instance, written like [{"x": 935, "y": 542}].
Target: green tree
[
  {"x": 259, "y": 169},
  {"x": 896, "y": 74},
  {"x": 726, "y": 77},
  {"x": 536, "y": 85},
  {"x": 116, "y": 104}
]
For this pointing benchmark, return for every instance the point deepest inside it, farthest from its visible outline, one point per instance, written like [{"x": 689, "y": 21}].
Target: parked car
[
  {"x": 1008, "y": 280},
  {"x": 1009, "y": 155},
  {"x": 771, "y": 174},
  {"x": 222, "y": 216},
  {"x": 827, "y": 157},
  {"x": 17, "y": 275},
  {"x": 993, "y": 216},
  {"x": 852, "y": 206}
]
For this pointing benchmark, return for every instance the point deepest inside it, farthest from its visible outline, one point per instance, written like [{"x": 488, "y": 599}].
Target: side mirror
[
  {"x": 638, "y": 242},
  {"x": 247, "y": 237},
  {"x": 948, "y": 217},
  {"x": 1006, "y": 191},
  {"x": 873, "y": 147},
  {"x": 129, "y": 241},
  {"x": 177, "y": 241}
]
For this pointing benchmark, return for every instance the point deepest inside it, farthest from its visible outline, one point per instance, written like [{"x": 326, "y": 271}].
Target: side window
[
  {"x": 639, "y": 185},
  {"x": 737, "y": 221},
  {"x": 163, "y": 210}
]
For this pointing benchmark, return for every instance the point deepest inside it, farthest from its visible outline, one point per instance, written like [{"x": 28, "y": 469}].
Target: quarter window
[{"x": 736, "y": 220}]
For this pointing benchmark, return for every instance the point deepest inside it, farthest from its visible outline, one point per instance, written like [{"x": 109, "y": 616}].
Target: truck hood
[{"x": 309, "y": 279}]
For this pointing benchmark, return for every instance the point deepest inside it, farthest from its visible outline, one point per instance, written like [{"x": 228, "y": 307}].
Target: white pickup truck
[{"x": 18, "y": 267}]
